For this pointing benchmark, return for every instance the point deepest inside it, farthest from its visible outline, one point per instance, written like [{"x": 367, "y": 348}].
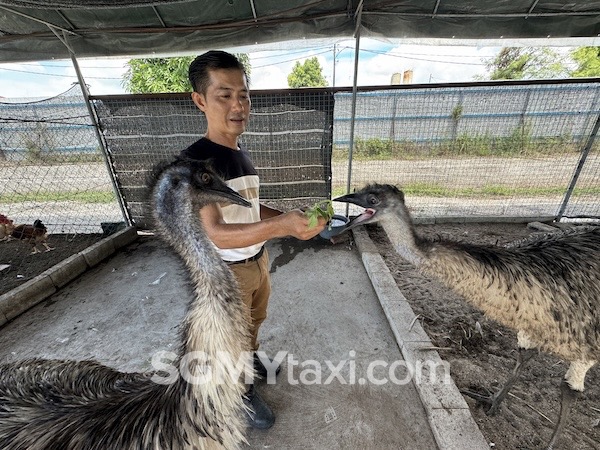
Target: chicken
[
  {"x": 33, "y": 234},
  {"x": 6, "y": 227}
]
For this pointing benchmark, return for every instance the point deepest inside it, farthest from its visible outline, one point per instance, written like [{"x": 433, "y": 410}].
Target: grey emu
[
  {"x": 547, "y": 289},
  {"x": 77, "y": 405}
]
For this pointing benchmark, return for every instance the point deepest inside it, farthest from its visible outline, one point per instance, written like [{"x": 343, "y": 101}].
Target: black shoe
[
  {"x": 261, "y": 370},
  {"x": 260, "y": 416}
]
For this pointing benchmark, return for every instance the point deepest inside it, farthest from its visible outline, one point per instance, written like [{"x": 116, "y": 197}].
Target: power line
[
  {"x": 286, "y": 53},
  {"x": 290, "y": 60},
  {"x": 394, "y": 55},
  {"x": 68, "y": 64},
  {"x": 311, "y": 49},
  {"x": 57, "y": 75},
  {"x": 424, "y": 59},
  {"x": 421, "y": 54},
  {"x": 280, "y": 53}
]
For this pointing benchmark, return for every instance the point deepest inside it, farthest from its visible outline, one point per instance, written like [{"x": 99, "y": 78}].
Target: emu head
[
  {"x": 198, "y": 179},
  {"x": 379, "y": 200}
]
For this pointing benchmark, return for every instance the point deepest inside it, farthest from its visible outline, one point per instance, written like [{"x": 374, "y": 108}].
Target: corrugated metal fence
[{"x": 518, "y": 149}]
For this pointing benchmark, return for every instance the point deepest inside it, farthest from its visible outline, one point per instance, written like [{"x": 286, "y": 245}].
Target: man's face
[{"x": 226, "y": 105}]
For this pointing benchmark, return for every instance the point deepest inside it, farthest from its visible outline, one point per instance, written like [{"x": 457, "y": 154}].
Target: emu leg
[
  {"x": 568, "y": 397},
  {"x": 494, "y": 400},
  {"x": 571, "y": 386}
]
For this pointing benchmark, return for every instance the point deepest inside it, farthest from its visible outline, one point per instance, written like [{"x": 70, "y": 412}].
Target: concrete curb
[
  {"x": 451, "y": 421},
  {"x": 32, "y": 292}
]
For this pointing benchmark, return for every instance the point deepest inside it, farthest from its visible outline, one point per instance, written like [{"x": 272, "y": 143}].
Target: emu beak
[
  {"x": 220, "y": 189},
  {"x": 359, "y": 199},
  {"x": 355, "y": 198},
  {"x": 236, "y": 198}
]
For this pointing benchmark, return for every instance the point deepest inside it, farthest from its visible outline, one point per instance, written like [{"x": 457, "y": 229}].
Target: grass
[
  {"x": 432, "y": 190},
  {"x": 412, "y": 189},
  {"x": 518, "y": 145},
  {"x": 81, "y": 197},
  {"x": 54, "y": 159}
]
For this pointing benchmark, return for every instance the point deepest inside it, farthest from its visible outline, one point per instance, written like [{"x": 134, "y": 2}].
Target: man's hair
[{"x": 199, "y": 71}]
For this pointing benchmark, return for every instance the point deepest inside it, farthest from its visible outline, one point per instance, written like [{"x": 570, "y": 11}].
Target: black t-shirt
[
  {"x": 228, "y": 163},
  {"x": 238, "y": 172}
]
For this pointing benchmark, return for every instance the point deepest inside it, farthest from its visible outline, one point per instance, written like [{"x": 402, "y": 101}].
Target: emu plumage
[
  {"x": 547, "y": 289},
  {"x": 83, "y": 405}
]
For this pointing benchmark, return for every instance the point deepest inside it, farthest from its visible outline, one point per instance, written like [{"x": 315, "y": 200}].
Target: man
[{"x": 220, "y": 91}]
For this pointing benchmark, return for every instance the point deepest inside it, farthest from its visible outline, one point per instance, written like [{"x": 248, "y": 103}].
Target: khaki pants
[{"x": 255, "y": 284}]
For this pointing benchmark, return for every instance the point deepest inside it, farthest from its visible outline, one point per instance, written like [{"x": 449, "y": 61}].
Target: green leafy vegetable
[{"x": 323, "y": 209}]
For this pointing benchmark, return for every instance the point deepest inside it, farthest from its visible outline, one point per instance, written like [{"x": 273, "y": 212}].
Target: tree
[
  {"x": 587, "y": 60},
  {"x": 508, "y": 65},
  {"x": 155, "y": 75},
  {"x": 517, "y": 63},
  {"x": 308, "y": 74}
]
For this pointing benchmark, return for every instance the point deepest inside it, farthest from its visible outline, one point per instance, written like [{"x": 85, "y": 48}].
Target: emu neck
[
  {"x": 213, "y": 283},
  {"x": 186, "y": 235},
  {"x": 401, "y": 234},
  {"x": 214, "y": 332}
]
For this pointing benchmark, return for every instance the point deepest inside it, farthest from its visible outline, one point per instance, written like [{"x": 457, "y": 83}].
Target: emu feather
[
  {"x": 547, "y": 289},
  {"x": 77, "y": 405}
]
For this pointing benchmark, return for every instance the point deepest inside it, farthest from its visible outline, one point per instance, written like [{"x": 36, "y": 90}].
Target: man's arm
[{"x": 235, "y": 235}]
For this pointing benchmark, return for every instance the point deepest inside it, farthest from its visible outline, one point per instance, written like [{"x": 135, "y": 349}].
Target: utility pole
[
  {"x": 335, "y": 53},
  {"x": 334, "y": 56}
]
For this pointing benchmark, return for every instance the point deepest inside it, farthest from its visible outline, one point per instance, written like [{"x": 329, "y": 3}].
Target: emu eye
[
  {"x": 206, "y": 178},
  {"x": 373, "y": 200}
]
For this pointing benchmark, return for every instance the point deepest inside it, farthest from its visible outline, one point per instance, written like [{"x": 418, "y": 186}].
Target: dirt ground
[
  {"x": 478, "y": 358},
  {"x": 23, "y": 265},
  {"x": 483, "y": 355}
]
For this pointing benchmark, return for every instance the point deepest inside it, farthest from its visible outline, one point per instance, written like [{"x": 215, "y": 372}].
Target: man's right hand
[{"x": 296, "y": 224}]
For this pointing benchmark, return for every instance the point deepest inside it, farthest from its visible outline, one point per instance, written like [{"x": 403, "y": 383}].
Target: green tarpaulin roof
[{"x": 40, "y": 30}]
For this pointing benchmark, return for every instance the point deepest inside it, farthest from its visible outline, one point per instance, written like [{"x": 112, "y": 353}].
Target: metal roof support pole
[
  {"x": 101, "y": 141},
  {"x": 585, "y": 151},
  {"x": 253, "y": 9},
  {"x": 52, "y": 27},
  {"x": 358, "y": 16},
  {"x": 96, "y": 125}
]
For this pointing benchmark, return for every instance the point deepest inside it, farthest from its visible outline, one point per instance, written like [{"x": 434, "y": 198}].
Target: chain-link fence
[
  {"x": 52, "y": 171},
  {"x": 52, "y": 168},
  {"x": 478, "y": 150},
  {"x": 481, "y": 150}
]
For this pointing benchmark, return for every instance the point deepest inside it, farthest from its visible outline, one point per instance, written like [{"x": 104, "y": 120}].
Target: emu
[
  {"x": 547, "y": 289},
  {"x": 77, "y": 405}
]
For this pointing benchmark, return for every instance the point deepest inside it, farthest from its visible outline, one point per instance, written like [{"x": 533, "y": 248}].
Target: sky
[{"x": 378, "y": 61}]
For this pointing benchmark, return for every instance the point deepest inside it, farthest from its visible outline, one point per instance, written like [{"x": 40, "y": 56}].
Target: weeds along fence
[{"x": 477, "y": 151}]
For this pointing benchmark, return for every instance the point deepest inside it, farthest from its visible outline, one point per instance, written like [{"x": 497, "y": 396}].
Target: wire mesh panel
[
  {"x": 141, "y": 131},
  {"x": 51, "y": 171},
  {"x": 494, "y": 150},
  {"x": 289, "y": 138}
]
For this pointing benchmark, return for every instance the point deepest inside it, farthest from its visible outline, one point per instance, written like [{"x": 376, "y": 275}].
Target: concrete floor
[{"x": 323, "y": 312}]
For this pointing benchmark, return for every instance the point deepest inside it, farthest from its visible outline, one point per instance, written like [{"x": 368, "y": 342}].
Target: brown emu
[
  {"x": 77, "y": 405},
  {"x": 547, "y": 289}
]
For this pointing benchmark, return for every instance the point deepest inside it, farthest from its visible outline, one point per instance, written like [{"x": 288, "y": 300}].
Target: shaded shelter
[{"x": 46, "y": 29}]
